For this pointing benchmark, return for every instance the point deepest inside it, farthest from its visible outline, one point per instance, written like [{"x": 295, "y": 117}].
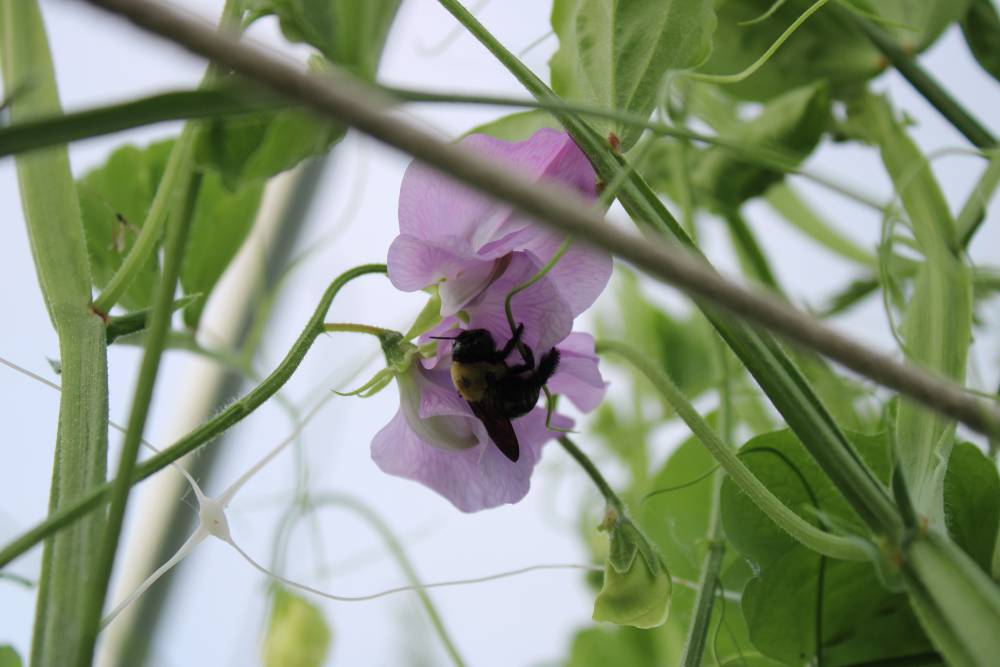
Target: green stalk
[
  {"x": 711, "y": 567},
  {"x": 923, "y": 82},
  {"x": 610, "y": 497},
  {"x": 760, "y": 353},
  {"x": 974, "y": 210},
  {"x": 176, "y": 173},
  {"x": 750, "y": 251},
  {"x": 957, "y": 603},
  {"x": 399, "y": 553},
  {"x": 98, "y": 121},
  {"x": 798, "y": 528},
  {"x": 156, "y": 337},
  {"x": 205, "y": 433},
  {"x": 55, "y": 230}
]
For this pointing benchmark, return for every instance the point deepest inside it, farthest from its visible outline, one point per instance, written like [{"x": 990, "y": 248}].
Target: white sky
[{"x": 217, "y": 608}]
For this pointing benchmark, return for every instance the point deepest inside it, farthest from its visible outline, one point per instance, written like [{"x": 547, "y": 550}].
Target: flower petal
[
  {"x": 546, "y": 317},
  {"x": 578, "y": 377},
  {"x": 415, "y": 263},
  {"x": 441, "y": 429},
  {"x": 472, "y": 479},
  {"x": 434, "y": 206},
  {"x": 580, "y": 275}
]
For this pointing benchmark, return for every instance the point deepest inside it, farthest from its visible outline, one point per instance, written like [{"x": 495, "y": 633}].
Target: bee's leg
[
  {"x": 546, "y": 368},
  {"x": 515, "y": 340}
]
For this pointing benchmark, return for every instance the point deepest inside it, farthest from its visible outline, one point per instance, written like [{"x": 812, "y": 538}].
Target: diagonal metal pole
[{"x": 362, "y": 107}]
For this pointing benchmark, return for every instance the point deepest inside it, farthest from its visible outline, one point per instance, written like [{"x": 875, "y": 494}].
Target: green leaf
[
  {"x": 254, "y": 147},
  {"x": 9, "y": 657},
  {"x": 639, "y": 597},
  {"x": 824, "y": 48},
  {"x": 222, "y": 220},
  {"x": 114, "y": 200},
  {"x": 297, "y": 633},
  {"x": 981, "y": 27},
  {"x": 862, "y": 621},
  {"x": 517, "y": 126},
  {"x": 599, "y": 647},
  {"x": 793, "y": 122},
  {"x": 916, "y": 24},
  {"x": 972, "y": 503},
  {"x": 349, "y": 33},
  {"x": 615, "y": 54}
]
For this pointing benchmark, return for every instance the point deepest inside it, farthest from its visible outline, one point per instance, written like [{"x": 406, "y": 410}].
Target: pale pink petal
[
  {"x": 432, "y": 205},
  {"x": 546, "y": 317},
  {"x": 472, "y": 479},
  {"x": 580, "y": 275},
  {"x": 415, "y": 263},
  {"x": 578, "y": 377}
]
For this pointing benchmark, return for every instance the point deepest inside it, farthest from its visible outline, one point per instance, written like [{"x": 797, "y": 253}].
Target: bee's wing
[{"x": 499, "y": 428}]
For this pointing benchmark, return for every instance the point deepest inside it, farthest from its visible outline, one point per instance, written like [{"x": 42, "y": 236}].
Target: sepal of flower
[{"x": 637, "y": 586}]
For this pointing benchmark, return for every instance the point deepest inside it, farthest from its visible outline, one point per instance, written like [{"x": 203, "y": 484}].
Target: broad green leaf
[
  {"x": 916, "y": 24},
  {"x": 602, "y": 646},
  {"x": 824, "y": 48},
  {"x": 793, "y": 121},
  {"x": 349, "y": 33},
  {"x": 517, "y": 126},
  {"x": 981, "y": 27},
  {"x": 615, "y": 54},
  {"x": 222, "y": 220},
  {"x": 9, "y": 657},
  {"x": 862, "y": 621},
  {"x": 126, "y": 185},
  {"x": 114, "y": 200},
  {"x": 297, "y": 633},
  {"x": 252, "y": 148},
  {"x": 972, "y": 503}
]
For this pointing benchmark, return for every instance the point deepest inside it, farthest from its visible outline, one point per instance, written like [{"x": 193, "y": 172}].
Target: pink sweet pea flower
[
  {"x": 476, "y": 250},
  {"x": 454, "y": 237}
]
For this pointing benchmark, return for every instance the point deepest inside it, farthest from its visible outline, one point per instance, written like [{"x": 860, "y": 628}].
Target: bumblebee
[{"x": 495, "y": 391}]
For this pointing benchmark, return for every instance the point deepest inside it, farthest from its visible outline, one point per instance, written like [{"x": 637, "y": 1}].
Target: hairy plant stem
[
  {"x": 798, "y": 528},
  {"x": 55, "y": 231},
  {"x": 205, "y": 433},
  {"x": 711, "y": 566},
  {"x": 156, "y": 337},
  {"x": 610, "y": 497},
  {"x": 923, "y": 82}
]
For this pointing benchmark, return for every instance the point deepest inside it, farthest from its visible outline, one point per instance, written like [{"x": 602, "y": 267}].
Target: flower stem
[
  {"x": 923, "y": 82},
  {"x": 348, "y": 327},
  {"x": 809, "y": 535},
  {"x": 711, "y": 567},
  {"x": 205, "y": 433},
  {"x": 602, "y": 485},
  {"x": 55, "y": 230}
]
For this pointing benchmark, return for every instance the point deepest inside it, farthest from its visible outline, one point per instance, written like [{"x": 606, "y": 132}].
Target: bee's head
[{"x": 473, "y": 345}]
